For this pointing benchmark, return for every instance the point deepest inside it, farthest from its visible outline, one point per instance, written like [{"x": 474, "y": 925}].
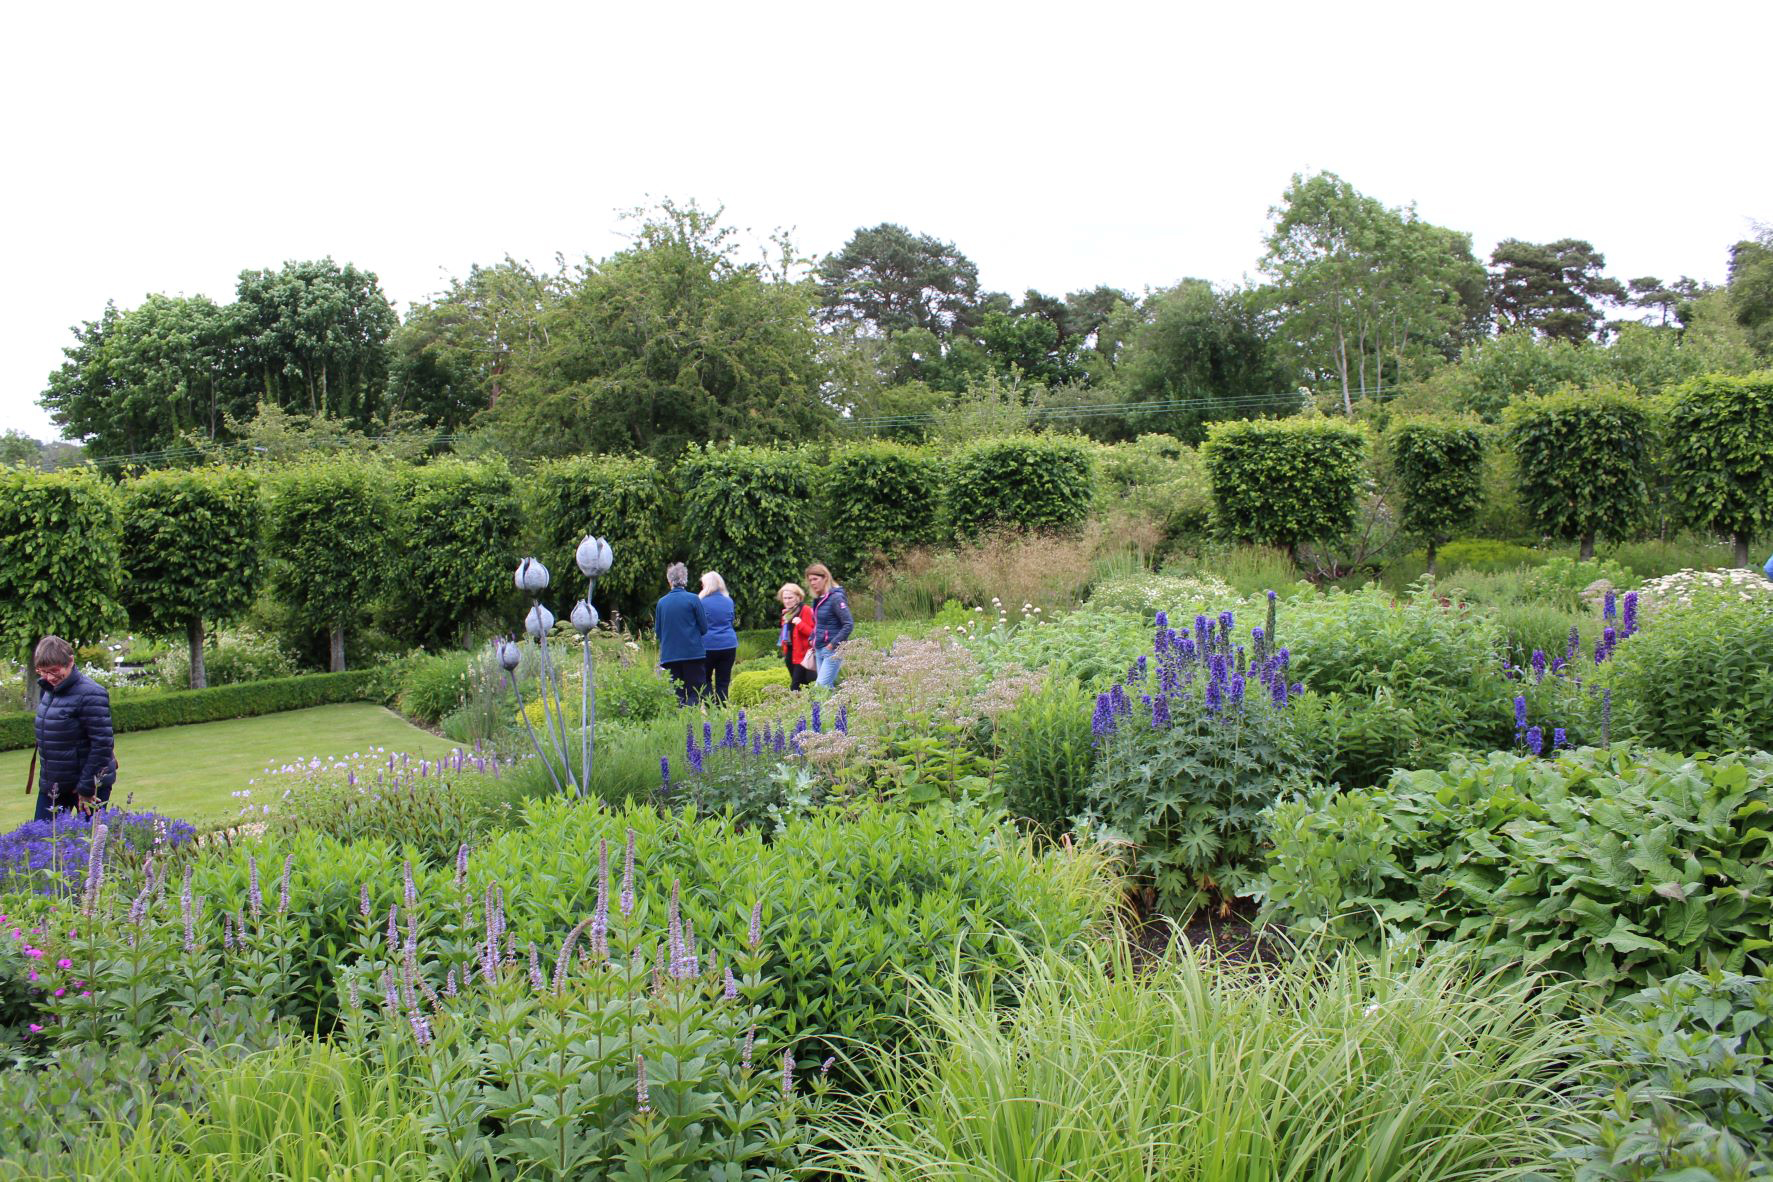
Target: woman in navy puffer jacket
[
  {"x": 75, "y": 761},
  {"x": 831, "y": 611}
]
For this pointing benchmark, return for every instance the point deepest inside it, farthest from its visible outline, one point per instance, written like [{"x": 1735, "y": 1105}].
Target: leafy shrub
[
  {"x": 430, "y": 807},
  {"x": 1195, "y": 745},
  {"x": 1618, "y": 868},
  {"x": 1022, "y": 482},
  {"x": 1561, "y": 580},
  {"x": 878, "y": 498},
  {"x": 1334, "y": 1069},
  {"x": 745, "y": 514},
  {"x": 247, "y": 700},
  {"x": 65, "y": 580},
  {"x": 609, "y": 1064},
  {"x": 1689, "y": 1063},
  {"x": 327, "y": 533},
  {"x": 458, "y": 529},
  {"x": 1046, "y": 755},
  {"x": 431, "y": 687},
  {"x": 1583, "y": 458},
  {"x": 1356, "y": 740},
  {"x": 1720, "y": 455},
  {"x": 1488, "y": 555},
  {"x": 1700, "y": 676},
  {"x": 230, "y": 657},
  {"x": 52, "y": 856},
  {"x": 749, "y": 687},
  {"x": 1285, "y": 481},
  {"x": 760, "y": 786},
  {"x": 1160, "y": 478}
]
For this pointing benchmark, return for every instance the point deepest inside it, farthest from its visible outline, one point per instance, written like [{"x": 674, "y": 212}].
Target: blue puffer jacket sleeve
[{"x": 835, "y": 622}]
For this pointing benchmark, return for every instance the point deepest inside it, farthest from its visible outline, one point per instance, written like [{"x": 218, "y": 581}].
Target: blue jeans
[{"x": 829, "y": 663}]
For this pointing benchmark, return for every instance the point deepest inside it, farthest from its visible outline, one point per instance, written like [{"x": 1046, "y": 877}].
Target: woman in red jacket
[{"x": 796, "y": 637}]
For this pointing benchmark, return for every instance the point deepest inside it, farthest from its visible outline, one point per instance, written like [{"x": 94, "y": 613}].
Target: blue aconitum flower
[
  {"x": 1610, "y": 638},
  {"x": 1163, "y": 620},
  {"x": 1160, "y": 713},
  {"x": 1610, "y": 607},
  {"x": 1538, "y": 665},
  {"x": 843, "y": 719},
  {"x": 757, "y": 742},
  {"x": 818, "y": 721},
  {"x": 1215, "y": 697},
  {"x": 1558, "y": 738},
  {"x": 743, "y": 728},
  {"x": 1520, "y": 713},
  {"x": 1142, "y": 667},
  {"x": 1102, "y": 722},
  {"x": 1226, "y": 620},
  {"x": 1629, "y": 624},
  {"x": 707, "y": 737},
  {"x": 1162, "y": 644},
  {"x": 781, "y": 741},
  {"x": 695, "y": 760},
  {"x": 689, "y": 740},
  {"x": 1203, "y": 633},
  {"x": 1535, "y": 740},
  {"x": 1237, "y": 691},
  {"x": 1117, "y": 700},
  {"x": 1575, "y": 643},
  {"x": 1278, "y": 689},
  {"x": 729, "y": 740},
  {"x": 1271, "y": 597}
]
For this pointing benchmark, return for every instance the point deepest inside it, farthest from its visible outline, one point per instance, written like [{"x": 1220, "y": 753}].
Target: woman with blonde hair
[
  {"x": 796, "y": 640},
  {"x": 832, "y": 621},
  {"x": 722, "y": 641}
]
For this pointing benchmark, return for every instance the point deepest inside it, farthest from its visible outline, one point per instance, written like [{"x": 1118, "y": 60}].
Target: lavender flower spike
[
  {"x": 628, "y": 877},
  {"x": 642, "y": 1099}
]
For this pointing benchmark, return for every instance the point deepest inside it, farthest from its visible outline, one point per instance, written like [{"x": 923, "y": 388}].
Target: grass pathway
[{"x": 188, "y": 771}]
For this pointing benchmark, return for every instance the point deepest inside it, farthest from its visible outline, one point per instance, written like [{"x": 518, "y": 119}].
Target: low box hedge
[{"x": 245, "y": 700}]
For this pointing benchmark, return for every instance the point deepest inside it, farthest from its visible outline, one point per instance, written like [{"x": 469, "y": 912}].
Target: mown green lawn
[{"x": 188, "y": 771}]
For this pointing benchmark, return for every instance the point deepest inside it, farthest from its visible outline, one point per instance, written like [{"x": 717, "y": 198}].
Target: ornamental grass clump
[
  {"x": 1331, "y": 1068},
  {"x": 1194, "y": 743}
]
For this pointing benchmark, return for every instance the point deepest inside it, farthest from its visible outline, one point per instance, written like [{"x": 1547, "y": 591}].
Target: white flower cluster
[{"x": 1680, "y": 587}]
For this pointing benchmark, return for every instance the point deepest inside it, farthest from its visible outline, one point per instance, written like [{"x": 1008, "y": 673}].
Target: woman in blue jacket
[
  {"x": 722, "y": 641},
  {"x": 76, "y": 765},
  {"x": 680, "y": 624},
  {"x": 832, "y": 621}
]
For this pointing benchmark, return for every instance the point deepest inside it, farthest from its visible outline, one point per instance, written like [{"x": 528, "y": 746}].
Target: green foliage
[
  {"x": 431, "y": 687},
  {"x": 1560, "y": 580},
  {"x": 1439, "y": 469},
  {"x": 1027, "y": 482},
  {"x": 1616, "y": 867},
  {"x": 750, "y": 687},
  {"x": 314, "y": 337},
  {"x": 328, "y": 535},
  {"x": 1554, "y": 288},
  {"x": 1699, "y": 676},
  {"x": 457, "y": 525},
  {"x": 1160, "y": 478},
  {"x": 1689, "y": 1063},
  {"x": 1046, "y": 755},
  {"x": 59, "y": 536},
  {"x": 746, "y": 514},
  {"x": 1333, "y": 1069},
  {"x": 230, "y": 656},
  {"x": 1583, "y": 458},
  {"x": 1356, "y": 740},
  {"x": 623, "y": 500},
  {"x": 191, "y": 553},
  {"x": 249, "y": 699},
  {"x": 1720, "y": 454},
  {"x": 878, "y": 498},
  {"x": 1283, "y": 482}
]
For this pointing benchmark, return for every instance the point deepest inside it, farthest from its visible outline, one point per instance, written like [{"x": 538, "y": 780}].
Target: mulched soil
[{"x": 1230, "y": 935}]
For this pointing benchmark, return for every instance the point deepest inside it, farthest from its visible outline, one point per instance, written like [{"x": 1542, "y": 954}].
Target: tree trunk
[
  {"x": 1587, "y": 545},
  {"x": 30, "y": 678},
  {"x": 337, "y": 648},
  {"x": 194, "y": 633},
  {"x": 1432, "y": 550},
  {"x": 1741, "y": 550},
  {"x": 1342, "y": 365},
  {"x": 880, "y": 601}
]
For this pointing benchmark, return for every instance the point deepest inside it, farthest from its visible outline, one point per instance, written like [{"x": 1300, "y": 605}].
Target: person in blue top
[
  {"x": 74, "y": 763},
  {"x": 1769, "y": 567},
  {"x": 832, "y": 621},
  {"x": 680, "y": 624},
  {"x": 722, "y": 641}
]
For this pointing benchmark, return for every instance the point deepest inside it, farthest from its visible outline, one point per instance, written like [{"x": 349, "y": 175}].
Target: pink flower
[
  {"x": 86, "y": 993},
  {"x": 32, "y": 975},
  {"x": 34, "y": 953},
  {"x": 58, "y": 993},
  {"x": 64, "y": 963},
  {"x": 36, "y": 1029}
]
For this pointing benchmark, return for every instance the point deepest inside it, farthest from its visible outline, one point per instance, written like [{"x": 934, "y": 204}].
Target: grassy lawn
[{"x": 188, "y": 771}]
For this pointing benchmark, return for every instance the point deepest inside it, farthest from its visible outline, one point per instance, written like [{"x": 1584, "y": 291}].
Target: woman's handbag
[{"x": 810, "y": 660}]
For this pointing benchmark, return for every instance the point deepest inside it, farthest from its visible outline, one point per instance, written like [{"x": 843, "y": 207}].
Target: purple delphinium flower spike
[
  {"x": 642, "y": 1099},
  {"x": 1629, "y": 622},
  {"x": 1538, "y": 665},
  {"x": 744, "y": 731},
  {"x": 664, "y": 773},
  {"x": 1520, "y": 712},
  {"x": 695, "y": 760},
  {"x": 1160, "y": 713},
  {"x": 1215, "y": 698},
  {"x": 1610, "y": 606},
  {"x": 707, "y": 737},
  {"x": 1163, "y": 620},
  {"x": 730, "y": 738},
  {"x": 1558, "y": 738},
  {"x": 818, "y": 722},
  {"x": 757, "y": 742},
  {"x": 1535, "y": 740},
  {"x": 628, "y": 877},
  {"x": 1575, "y": 642}
]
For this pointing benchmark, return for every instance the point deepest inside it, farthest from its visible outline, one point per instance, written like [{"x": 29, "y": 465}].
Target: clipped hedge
[
  {"x": 245, "y": 700},
  {"x": 749, "y": 687},
  {"x": 1025, "y": 482},
  {"x": 878, "y": 498},
  {"x": 747, "y": 513},
  {"x": 1282, "y": 482},
  {"x": 622, "y": 499}
]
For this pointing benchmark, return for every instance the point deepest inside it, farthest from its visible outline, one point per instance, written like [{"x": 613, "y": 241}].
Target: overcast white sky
[{"x": 165, "y": 147}]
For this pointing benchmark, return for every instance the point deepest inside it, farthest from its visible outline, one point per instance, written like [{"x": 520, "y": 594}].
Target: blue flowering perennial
[
  {"x": 748, "y": 741},
  {"x": 1207, "y": 671},
  {"x": 52, "y": 857}
]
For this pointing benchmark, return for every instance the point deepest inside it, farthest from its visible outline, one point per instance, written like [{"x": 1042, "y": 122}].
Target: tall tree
[
  {"x": 451, "y": 357},
  {"x": 1207, "y": 349},
  {"x": 1363, "y": 288},
  {"x": 670, "y": 342},
  {"x": 1720, "y": 455},
  {"x": 890, "y": 279},
  {"x": 316, "y": 338},
  {"x": 1556, "y": 288},
  {"x": 1583, "y": 457},
  {"x": 1751, "y": 288},
  {"x": 328, "y": 534}
]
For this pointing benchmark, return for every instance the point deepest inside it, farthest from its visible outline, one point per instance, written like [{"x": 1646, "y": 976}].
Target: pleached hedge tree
[
  {"x": 1584, "y": 458},
  {"x": 330, "y": 543},
  {"x": 1284, "y": 482},
  {"x": 747, "y": 513},
  {"x": 623, "y": 499},
  {"x": 1440, "y": 472}
]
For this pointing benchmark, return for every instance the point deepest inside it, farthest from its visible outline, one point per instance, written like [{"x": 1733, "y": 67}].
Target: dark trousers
[
  {"x": 720, "y": 671},
  {"x": 799, "y": 675},
  {"x": 691, "y": 678},
  {"x": 50, "y": 800}
]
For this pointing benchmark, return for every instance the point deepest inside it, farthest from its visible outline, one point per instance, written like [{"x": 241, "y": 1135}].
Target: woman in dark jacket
[
  {"x": 680, "y": 624},
  {"x": 76, "y": 764},
  {"x": 832, "y": 621},
  {"x": 722, "y": 641}
]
